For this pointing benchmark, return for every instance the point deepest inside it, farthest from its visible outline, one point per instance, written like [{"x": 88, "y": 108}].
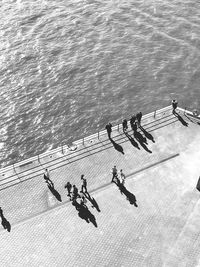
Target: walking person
[
  {"x": 83, "y": 200},
  {"x": 122, "y": 177},
  {"x": 134, "y": 127},
  {"x": 125, "y": 125},
  {"x": 75, "y": 193},
  {"x": 46, "y": 174},
  {"x": 139, "y": 117},
  {"x": 109, "y": 129},
  {"x": 114, "y": 173},
  {"x": 84, "y": 184},
  {"x": 132, "y": 120},
  {"x": 69, "y": 187},
  {"x": 174, "y": 105},
  {"x": 47, "y": 178}
]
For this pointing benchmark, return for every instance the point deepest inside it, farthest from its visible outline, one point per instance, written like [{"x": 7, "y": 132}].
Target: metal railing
[
  {"x": 10, "y": 174},
  {"x": 194, "y": 113}
]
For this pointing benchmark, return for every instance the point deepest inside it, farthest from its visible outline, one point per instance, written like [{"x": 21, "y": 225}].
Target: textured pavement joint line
[
  {"x": 154, "y": 164},
  {"x": 138, "y": 171}
]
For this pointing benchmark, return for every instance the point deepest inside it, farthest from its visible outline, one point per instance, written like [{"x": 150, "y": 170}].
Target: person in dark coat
[
  {"x": 109, "y": 129},
  {"x": 114, "y": 173},
  {"x": 75, "y": 193},
  {"x": 174, "y": 105},
  {"x": 134, "y": 127},
  {"x": 132, "y": 120},
  {"x": 46, "y": 175},
  {"x": 47, "y": 178},
  {"x": 139, "y": 117},
  {"x": 68, "y": 186},
  {"x": 125, "y": 125}
]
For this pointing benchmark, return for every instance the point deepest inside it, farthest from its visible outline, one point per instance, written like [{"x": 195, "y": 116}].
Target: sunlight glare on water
[{"x": 69, "y": 67}]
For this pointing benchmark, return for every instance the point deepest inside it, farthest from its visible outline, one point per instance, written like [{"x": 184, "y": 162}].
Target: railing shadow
[{"x": 193, "y": 121}]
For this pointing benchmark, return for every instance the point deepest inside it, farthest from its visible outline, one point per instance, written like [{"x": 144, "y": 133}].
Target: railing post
[
  {"x": 16, "y": 172},
  {"x": 39, "y": 159},
  {"x": 118, "y": 127},
  {"x": 98, "y": 134},
  {"x": 154, "y": 114},
  {"x": 83, "y": 140},
  {"x": 185, "y": 110},
  {"x": 62, "y": 149}
]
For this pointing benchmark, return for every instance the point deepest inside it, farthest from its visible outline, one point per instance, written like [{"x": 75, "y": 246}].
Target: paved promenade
[{"x": 163, "y": 230}]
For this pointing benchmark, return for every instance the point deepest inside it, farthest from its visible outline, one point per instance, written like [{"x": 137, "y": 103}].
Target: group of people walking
[
  {"x": 135, "y": 122},
  {"x": 74, "y": 194},
  {"x": 73, "y": 190},
  {"x": 80, "y": 205},
  {"x": 119, "y": 177}
]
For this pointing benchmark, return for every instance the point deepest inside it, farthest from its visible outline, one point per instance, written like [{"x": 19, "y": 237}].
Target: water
[{"x": 69, "y": 67}]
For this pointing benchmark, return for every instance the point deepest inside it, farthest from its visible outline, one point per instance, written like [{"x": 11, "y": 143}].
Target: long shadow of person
[
  {"x": 54, "y": 191},
  {"x": 117, "y": 146},
  {"x": 93, "y": 201},
  {"x": 147, "y": 134},
  {"x": 5, "y": 223},
  {"x": 180, "y": 119},
  {"x": 129, "y": 196},
  {"x": 84, "y": 213},
  {"x": 133, "y": 142},
  {"x": 142, "y": 140}
]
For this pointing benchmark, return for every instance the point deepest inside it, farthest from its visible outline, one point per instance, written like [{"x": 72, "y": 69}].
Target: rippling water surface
[{"x": 69, "y": 67}]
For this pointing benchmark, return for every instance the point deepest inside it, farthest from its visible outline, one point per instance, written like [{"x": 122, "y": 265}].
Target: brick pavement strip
[{"x": 126, "y": 235}]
